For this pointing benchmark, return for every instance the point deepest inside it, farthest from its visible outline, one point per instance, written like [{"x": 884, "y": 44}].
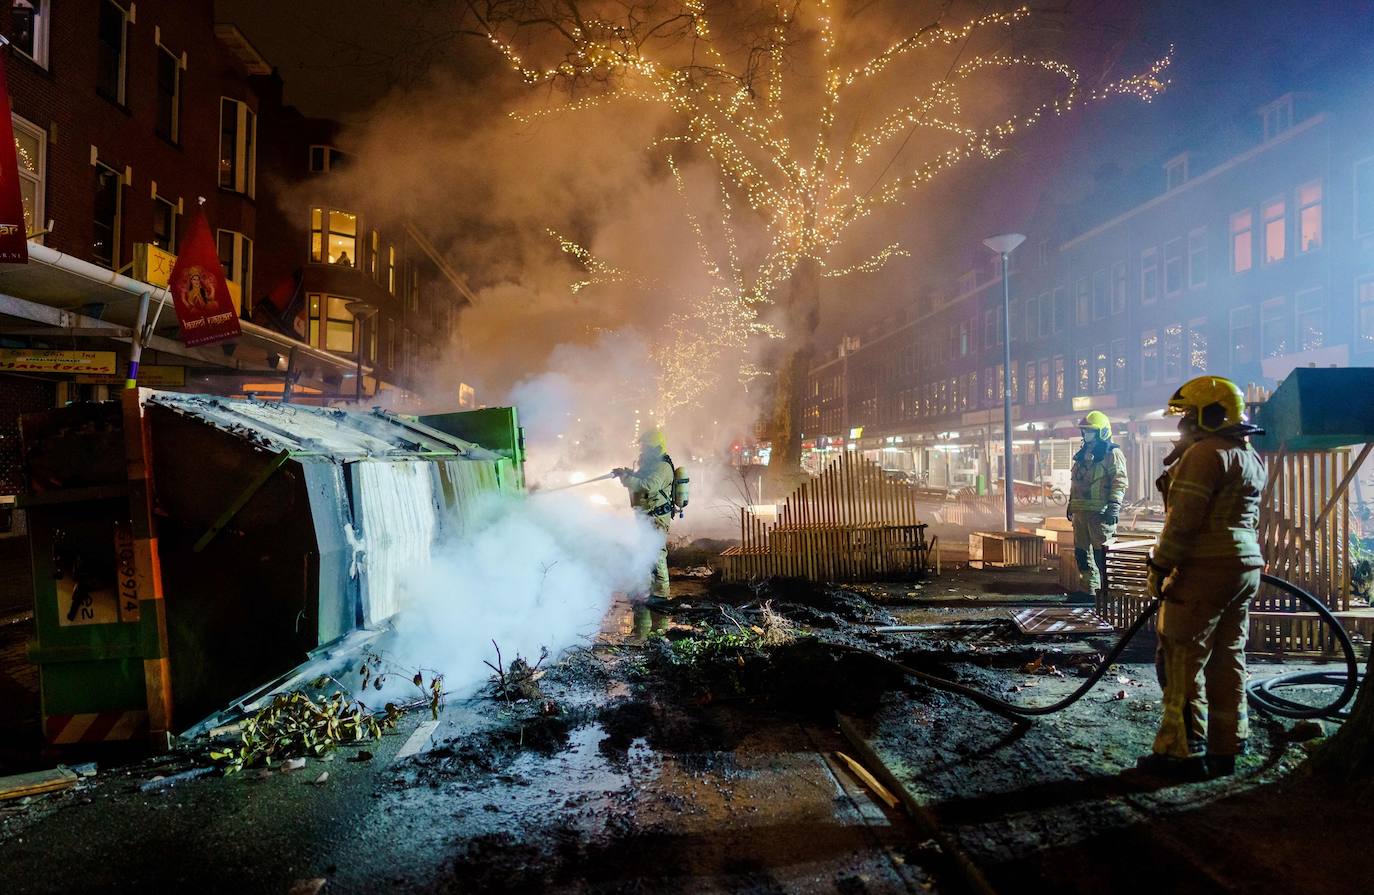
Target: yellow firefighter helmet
[
  {"x": 653, "y": 438},
  {"x": 1096, "y": 419},
  {"x": 1212, "y": 402}
]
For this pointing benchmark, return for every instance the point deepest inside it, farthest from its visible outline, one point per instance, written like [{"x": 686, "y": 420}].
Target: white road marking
[{"x": 418, "y": 740}]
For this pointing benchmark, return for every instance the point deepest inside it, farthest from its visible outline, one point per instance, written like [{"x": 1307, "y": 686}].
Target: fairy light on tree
[{"x": 809, "y": 169}]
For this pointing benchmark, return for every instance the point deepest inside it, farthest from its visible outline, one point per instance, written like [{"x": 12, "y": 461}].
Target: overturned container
[{"x": 267, "y": 533}]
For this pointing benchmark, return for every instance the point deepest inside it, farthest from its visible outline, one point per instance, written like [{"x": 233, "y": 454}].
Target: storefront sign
[
  {"x": 153, "y": 265},
  {"x": 41, "y": 360},
  {"x": 14, "y": 237},
  {"x": 200, "y": 292},
  {"x": 149, "y": 376}
]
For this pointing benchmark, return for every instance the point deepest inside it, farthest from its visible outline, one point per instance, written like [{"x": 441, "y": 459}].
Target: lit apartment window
[
  {"x": 1274, "y": 221},
  {"x": 1242, "y": 336},
  {"x": 1242, "y": 241},
  {"x": 333, "y": 237},
  {"x": 331, "y": 323},
  {"x": 1045, "y": 380},
  {"x": 989, "y": 386},
  {"x": 236, "y": 254},
  {"x": 1310, "y": 216},
  {"x": 1173, "y": 352},
  {"x": 391, "y": 269},
  {"x": 1118, "y": 287},
  {"x": 1197, "y": 346},
  {"x": 1118, "y": 374},
  {"x": 1082, "y": 374},
  {"x": 168, "y": 95},
  {"x": 1100, "y": 370},
  {"x": 1173, "y": 267},
  {"x": 1059, "y": 377},
  {"x": 1364, "y": 197},
  {"x": 165, "y": 224},
  {"x": 1275, "y": 328},
  {"x": 1311, "y": 319},
  {"x": 238, "y": 130},
  {"x": 1149, "y": 357},
  {"x": 324, "y": 159},
  {"x": 1197, "y": 258},
  {"x": 29, "y": 29},
  {"x": 112, "y": 31},
  {"x": 1149, "y": 276},
  {"x": 1099, "y": 294},
  {"x": 109, "y": 203},
  {"x": 1031, "y": 380},
  {"x": 373, "y": 251},
  {"x": 1364, "y": 314},
  {"x": 30, "y": 149},
  {"x": 1082, "y": 301}
]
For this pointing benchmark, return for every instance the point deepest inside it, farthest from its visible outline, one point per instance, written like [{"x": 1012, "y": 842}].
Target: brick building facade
[{"x": 1248, "y": 255}]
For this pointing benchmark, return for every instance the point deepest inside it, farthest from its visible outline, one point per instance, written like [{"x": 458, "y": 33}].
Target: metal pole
[
  {"x": 139, "y": 337},
  {"x": 1006, "y": 396}
]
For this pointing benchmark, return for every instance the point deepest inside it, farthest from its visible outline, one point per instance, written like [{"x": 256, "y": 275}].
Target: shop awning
[{"x": 59, "y": 297}]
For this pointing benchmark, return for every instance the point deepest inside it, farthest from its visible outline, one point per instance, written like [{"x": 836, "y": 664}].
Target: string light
[{"x": 805, "y": 196}]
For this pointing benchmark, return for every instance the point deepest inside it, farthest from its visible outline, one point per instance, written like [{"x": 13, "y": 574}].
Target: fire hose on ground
[{"x": 1261, "y": 692}]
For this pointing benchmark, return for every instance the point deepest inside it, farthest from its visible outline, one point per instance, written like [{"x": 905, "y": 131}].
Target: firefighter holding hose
[
  {"x": 651, "y": 485},
  {"x": 1206, "y": 568},
  {"x": 1098, "y": 486}
]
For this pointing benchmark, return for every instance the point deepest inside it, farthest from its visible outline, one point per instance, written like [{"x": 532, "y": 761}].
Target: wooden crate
[{"x": 1005, "y": 549}]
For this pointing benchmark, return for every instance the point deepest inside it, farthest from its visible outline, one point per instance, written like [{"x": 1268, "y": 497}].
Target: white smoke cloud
[{"x": 529, "y": 573}]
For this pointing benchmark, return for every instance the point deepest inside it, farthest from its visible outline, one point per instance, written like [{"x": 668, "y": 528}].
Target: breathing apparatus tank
[{"x": 681, "y": 489}]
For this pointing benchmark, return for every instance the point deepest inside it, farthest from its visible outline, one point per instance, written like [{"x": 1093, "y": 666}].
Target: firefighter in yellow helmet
[
  {"x": 1098, "y": 486},
  {"x": 1206, "y": 568},
  {"x": 650, "y": 485}
]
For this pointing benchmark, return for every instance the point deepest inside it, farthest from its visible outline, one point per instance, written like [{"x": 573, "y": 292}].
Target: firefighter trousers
[
  {"x": 660, "y": 585},
  {"x": 1090, "y": 536},
  {"x": 1203, "y": 623}
]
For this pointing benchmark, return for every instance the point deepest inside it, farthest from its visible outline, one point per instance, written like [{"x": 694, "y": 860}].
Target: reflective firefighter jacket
[
  {"x": 651, "y": 486},
  {"x": 1098, "y": 478},
  {"x": 1211, "y": 503}
]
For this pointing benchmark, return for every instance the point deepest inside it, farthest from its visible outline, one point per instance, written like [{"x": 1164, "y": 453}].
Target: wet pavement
[{"x": 637, "y": 783}]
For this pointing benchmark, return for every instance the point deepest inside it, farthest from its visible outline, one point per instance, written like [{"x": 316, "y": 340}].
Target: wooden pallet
[
  {"x": 851, "y": 523},
  {"x": 1304, "y": 524}
]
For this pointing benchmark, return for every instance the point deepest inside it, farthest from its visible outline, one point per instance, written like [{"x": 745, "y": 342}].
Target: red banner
[
  {"x": 14, "y": 238},
  {"x": 199, "y": 291}
]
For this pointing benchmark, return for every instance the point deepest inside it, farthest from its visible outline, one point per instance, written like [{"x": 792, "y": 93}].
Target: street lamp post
[{"x": 1004, "y": 245}]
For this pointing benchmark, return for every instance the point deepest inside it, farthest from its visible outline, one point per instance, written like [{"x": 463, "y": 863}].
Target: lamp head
[{"x": 1004, "y": 244}]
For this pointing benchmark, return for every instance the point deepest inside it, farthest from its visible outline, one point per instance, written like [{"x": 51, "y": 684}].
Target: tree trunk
[
  {"x": 801, "y": 316},
  {"x": 1348, "y": 756}
]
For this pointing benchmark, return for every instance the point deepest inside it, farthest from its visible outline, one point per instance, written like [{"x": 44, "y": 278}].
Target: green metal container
[{"x": 91, "y": 636}]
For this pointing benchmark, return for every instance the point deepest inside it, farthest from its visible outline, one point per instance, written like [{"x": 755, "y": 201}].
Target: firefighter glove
[
  {"x": 1154, "y": 580},
  {"x": 1112, "y": 514}
]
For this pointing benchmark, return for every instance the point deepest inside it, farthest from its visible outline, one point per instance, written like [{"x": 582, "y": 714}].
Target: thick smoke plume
[{"x": 528, "y": 574}]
